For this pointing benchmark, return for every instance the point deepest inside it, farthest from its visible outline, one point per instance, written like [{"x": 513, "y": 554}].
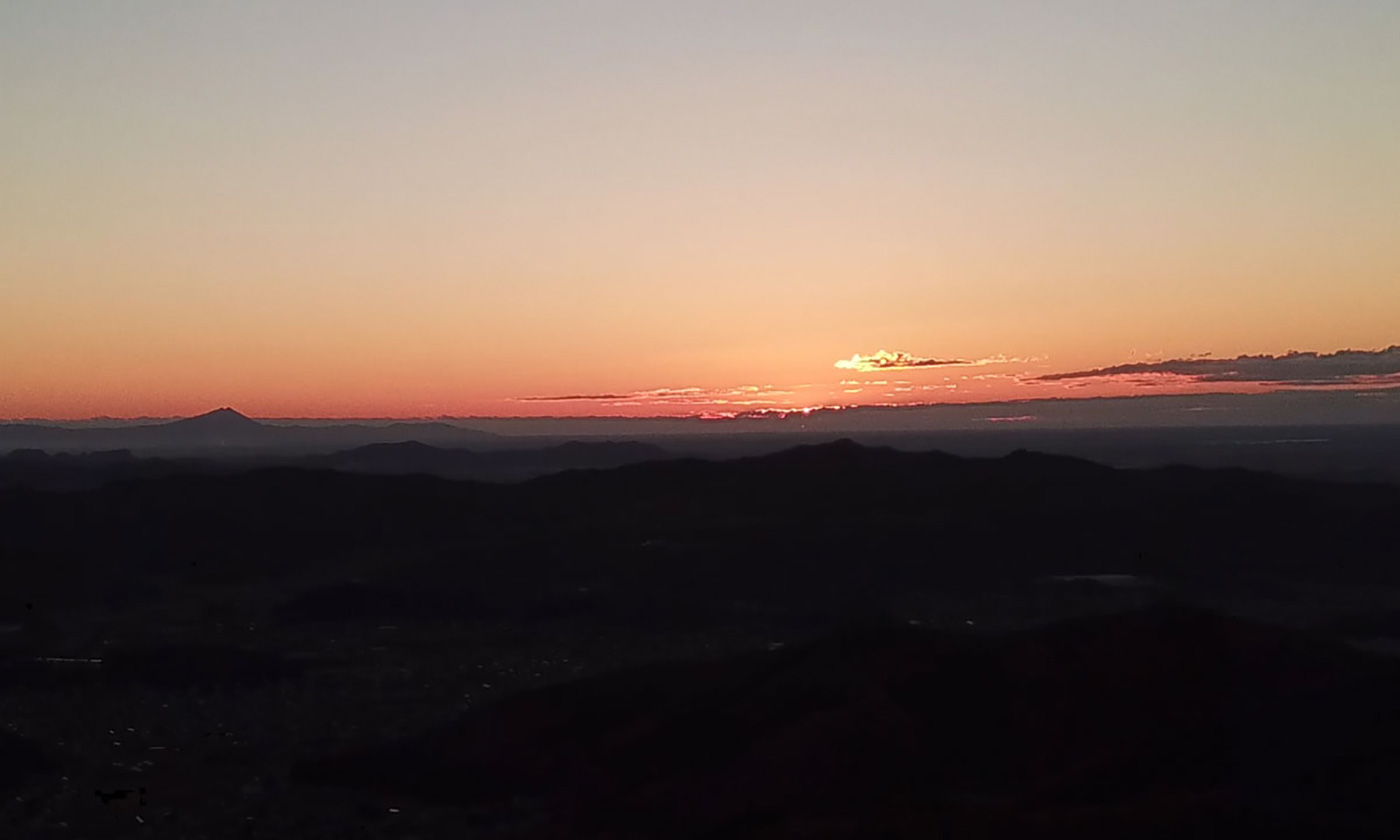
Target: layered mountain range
[{"x": 226, "y": 429}]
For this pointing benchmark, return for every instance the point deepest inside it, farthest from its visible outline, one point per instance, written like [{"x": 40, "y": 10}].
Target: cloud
[
  {"x": 885, "y": 360},
  {"x": 900, "y": 360},
  {"x": 742, "y": 395},
  {"x": 576, "y": 398},
  {"x": 1299, "y": 369}
]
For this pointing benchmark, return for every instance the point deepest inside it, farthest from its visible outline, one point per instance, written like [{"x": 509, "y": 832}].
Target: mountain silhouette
[
  {"x": 64, "y": 471},
  {"x": 428, "y": 593},
  {"x": 808, "y": 534},
  {"x": 222, "y": 427},
  {"x": 416, "y": 457},
  {"x": 223, "y": 419},
  {"x": 225, "y": 432}
]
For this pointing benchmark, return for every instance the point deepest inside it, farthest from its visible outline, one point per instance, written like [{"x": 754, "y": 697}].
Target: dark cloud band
[{"x": 1344, "y": 367}]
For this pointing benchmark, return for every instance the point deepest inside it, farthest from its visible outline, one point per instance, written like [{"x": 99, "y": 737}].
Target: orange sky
[{"x": 436, "y": 209}]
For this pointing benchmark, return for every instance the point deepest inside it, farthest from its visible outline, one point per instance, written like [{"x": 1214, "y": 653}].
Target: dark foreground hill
[
  {"x": 1162, "y": 723},
  {"x": 490, "y": 465},
  {"x": 20, "y": 758},
  {"x": 197, "y": 635},
  {"x": 815, "y": 530}
]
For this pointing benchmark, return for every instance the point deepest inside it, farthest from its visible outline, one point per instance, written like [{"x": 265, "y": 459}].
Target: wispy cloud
[
  {"x": 900, "y": 360},
  {"x": 575, "y": 398},
  {"x": 742, "y": 395},
  {"x": 1297, "y": 369}
]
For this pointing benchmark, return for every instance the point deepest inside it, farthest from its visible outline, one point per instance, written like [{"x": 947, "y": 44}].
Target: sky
[{"x": 349, "y": 208}]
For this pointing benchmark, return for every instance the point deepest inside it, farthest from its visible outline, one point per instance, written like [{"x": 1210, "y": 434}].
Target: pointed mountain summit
[
  {"x": 228, "y": 429},
  {"x": 219, "y": 418},
  {"x": 219, "y": 428}
]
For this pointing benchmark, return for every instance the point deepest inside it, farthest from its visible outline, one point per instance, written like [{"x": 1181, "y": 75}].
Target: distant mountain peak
[
  {"x": 396, "y": 446},
  {"x": 840, "y": 448},
  {"x": 221, "y": 417}
]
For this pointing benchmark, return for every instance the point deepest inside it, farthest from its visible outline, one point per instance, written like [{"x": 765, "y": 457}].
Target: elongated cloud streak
[
  {"x": 742, "y": 395},
  {"x": 1309, "y": 369},
  {"x": 900, "y": 360},
  {"x": 576, "y": 398}
]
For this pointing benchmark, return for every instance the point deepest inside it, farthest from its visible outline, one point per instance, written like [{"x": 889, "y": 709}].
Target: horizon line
[{"x": 710, "y": 417}]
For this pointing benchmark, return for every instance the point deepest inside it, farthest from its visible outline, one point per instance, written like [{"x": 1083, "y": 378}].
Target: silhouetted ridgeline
[
  {"x": 1203, "y": 431},
  {"x": 225, "y": 441},
  {"x": 227, "y": 622},
  {"x": 838, "y": 526},
  {"x": 65, "y": 471},
  {"x": 226, "y": 431},
  {"x": 493, "y": 465}
]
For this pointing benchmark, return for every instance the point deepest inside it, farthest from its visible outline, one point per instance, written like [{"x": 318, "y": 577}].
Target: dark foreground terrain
[
  {"x": 831, "y": 641},
  {"x": 1164, "y": 722}
]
